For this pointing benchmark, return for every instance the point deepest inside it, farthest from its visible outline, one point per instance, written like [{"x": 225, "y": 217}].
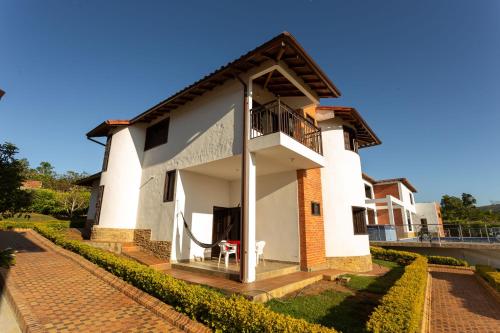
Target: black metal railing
[{"x": 276, "y": 116}]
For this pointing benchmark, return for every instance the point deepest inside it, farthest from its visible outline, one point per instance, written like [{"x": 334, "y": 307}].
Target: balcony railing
[{"x": 276, "y": 117}]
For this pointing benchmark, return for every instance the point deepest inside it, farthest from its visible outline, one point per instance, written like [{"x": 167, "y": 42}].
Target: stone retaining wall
[{"x": 160, "y": 249}]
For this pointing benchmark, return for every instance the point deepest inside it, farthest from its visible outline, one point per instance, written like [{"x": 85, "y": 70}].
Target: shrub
[
  {"x": 450, "y": 261},
  {"x": 7, "y": 257},
  {"x": 401, "y": 309},
  {"x": 227, "y": 314},
  {"x": 56, "y": 225},
  {"x": 401, "y": 257},
  {"x": 491, "y": 275}
]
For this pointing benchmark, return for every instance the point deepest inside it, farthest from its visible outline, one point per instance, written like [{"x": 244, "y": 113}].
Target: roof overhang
[
  {"x": 405, "y": 181},
  {"x": 365, "y": 135},
  {"x": 283, "y": 48},
  {"x": 105, "y": 127},
  {"x": 88, "y": 181}
]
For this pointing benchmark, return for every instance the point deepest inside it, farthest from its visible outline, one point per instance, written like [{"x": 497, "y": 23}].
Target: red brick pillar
[{"x": 311, "y": 227}]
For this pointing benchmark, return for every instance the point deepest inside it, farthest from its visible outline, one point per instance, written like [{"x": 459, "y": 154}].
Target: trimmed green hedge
[
  {"x": 491, "y": 275},
  {"x": 450, "y": 261},
  {"x": 221, "y": 313},
  {"x": 56, "y": 225},
  {"x": 401, "y": 257},
  {"x": 401, "y": 309}
]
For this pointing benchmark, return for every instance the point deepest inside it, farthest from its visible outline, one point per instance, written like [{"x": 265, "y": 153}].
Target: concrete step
[
  {"x": 146, "y": 259},
  {"x": 289, "y": 283}
]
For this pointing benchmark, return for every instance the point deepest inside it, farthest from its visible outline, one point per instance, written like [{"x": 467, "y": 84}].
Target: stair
[{"x": 135, "y": 252}]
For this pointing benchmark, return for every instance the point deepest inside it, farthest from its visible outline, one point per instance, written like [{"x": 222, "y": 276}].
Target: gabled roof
[
  {"x": 103, "y": 128},
  {"x": 283, "y": 47},
  {"x": 365, "y": 135},
  {"x": 405, "y": 181}
]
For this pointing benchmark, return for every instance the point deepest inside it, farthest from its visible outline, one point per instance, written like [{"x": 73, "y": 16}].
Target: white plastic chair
[
  {"x": 227, "y": 249},
  {"x": 259, "y": 251}
]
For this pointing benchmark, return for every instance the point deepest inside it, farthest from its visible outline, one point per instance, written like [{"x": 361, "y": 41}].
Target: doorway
[{"x": 223, "y": 217}]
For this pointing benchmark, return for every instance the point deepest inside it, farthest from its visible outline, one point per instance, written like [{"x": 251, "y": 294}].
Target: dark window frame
[
  {"x": 412, "y": 200},
  {"x": 107, "y": 150},
  {"x": 368, "y": 189},
  {"x": 98, "y": 204},
  {"x": 350, "y": 140},
  {"x": 157, "y": 134},
  {"x": 359, "y": 220},
  {"x": 169, "y": 186},
  {"x": 315, "y": 208},
  {"x": 408, "y": 220}
]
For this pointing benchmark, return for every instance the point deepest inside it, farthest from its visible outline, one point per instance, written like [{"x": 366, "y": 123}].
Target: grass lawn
[{"x": 345, "y": 309}]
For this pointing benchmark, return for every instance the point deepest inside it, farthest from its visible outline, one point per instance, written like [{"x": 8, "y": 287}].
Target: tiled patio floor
[
  {"x": 460, "y": 304},
  {"x": 55, "y": 294}
]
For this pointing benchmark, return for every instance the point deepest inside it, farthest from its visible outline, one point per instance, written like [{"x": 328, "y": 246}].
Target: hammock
[{"x": 205, "y": 245}]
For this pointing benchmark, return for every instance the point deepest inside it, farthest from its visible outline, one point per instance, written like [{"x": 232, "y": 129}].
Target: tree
[
  {"x": 468, "y": 200},
  {"x": 46, "y": 169},
  {"x": 12, "y": 198},
  {"x": 73, "y": 201}
]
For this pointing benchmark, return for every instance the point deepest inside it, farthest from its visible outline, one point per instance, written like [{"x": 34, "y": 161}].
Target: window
[
  {"x": 157, "y": 134},
  {"x": 315, "y": 208},
  {"x": 350, "y": 142},
  {"x": 368, "y": 191},
  {"x": 359, "y": 220},
  {"x": 168, "y": 191},
  {"x": 408, "y": 220},
  {"x": 98, "y": 204},
  {"x": 411, "y": 198},
  {"x": 106, "y": 154}
]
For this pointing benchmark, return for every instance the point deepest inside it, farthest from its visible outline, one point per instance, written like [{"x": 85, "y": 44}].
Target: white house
[
  {"x": 247, "y": 146},
  {"x": 392, "y": 202}
]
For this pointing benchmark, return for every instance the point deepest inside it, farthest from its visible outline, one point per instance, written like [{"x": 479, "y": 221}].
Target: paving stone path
[
  {"x": 459, "y": 303},
  {"x": 58, "y": 295}
]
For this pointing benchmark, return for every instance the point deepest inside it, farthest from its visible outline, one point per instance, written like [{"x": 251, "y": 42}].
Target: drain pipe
[{"x": 244, "y": 182}]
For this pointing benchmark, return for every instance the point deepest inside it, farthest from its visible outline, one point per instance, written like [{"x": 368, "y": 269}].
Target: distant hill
[{"x": 494, "y": 208}]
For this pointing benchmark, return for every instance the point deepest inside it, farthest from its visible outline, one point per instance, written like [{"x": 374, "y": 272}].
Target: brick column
[{"x": 312, "y": 233}]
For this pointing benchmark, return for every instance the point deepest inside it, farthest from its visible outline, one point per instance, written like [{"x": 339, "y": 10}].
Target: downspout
[{"x": 244, "y": 183}]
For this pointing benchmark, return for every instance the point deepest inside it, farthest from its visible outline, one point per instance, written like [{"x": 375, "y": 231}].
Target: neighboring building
[
  {"x": 247, "y": 144},
  {"x": 392, "y": 202},
  {"x": 31, "y": 185},
  {"x": 429, "y": 214}
]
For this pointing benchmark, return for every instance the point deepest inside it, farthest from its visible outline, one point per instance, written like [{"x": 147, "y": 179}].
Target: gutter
[{"x": 94, "y": 140}]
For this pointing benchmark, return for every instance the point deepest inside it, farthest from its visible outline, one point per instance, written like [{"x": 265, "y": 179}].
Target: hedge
[
  {"x": 401, "y": 309},
  {"x": 491, "y": 275},
  {"x": 450, "y": 261},
  {"x": 57, "y": 225},
  {"x": 221, "y": 313}
]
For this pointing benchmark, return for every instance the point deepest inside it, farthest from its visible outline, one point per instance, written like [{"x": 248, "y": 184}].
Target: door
[
  {"x": 424, "y": 227},
  {"x": 223, "y": 217}
]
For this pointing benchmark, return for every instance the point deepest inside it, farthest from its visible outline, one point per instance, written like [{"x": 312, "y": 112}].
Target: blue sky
[{"x": 424, "y": 74}]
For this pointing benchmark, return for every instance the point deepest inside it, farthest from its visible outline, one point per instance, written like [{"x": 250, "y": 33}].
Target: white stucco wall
[
  {"x": 404, "y": 194},
  {"x": 122, "y": 180},
  {"x": 196, "y": 195},
  {"x": 204, "y": 130},
  {"x": 427, "y": 210},
  {"x": 343, "y": 187}
]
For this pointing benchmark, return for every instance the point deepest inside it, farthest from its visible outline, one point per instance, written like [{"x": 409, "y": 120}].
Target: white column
[
  {"x": 250, "y": 204},
  {"x": 391, "y": 210}
]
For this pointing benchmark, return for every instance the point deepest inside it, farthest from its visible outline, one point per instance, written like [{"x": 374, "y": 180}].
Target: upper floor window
[
  {"x": 315, "y": 208},
  {"x": 408, "y": 220},
  {"x": 106, "y": 154},
  {"x": 411, "y": 199},
  {"x": 350, "y": 142},
  {"x": 368, "y": 191},
  {"x": 157, "y": 134},
  {"x": 359, "y": 220}
]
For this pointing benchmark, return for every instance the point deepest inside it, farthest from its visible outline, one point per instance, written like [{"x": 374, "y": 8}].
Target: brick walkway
[
  {"x": 56, "y": 294},
  {"x": 460, "y": 304}
]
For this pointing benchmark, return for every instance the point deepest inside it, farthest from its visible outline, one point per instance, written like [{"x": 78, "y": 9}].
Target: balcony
[{"x": 275, "y": 117}]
